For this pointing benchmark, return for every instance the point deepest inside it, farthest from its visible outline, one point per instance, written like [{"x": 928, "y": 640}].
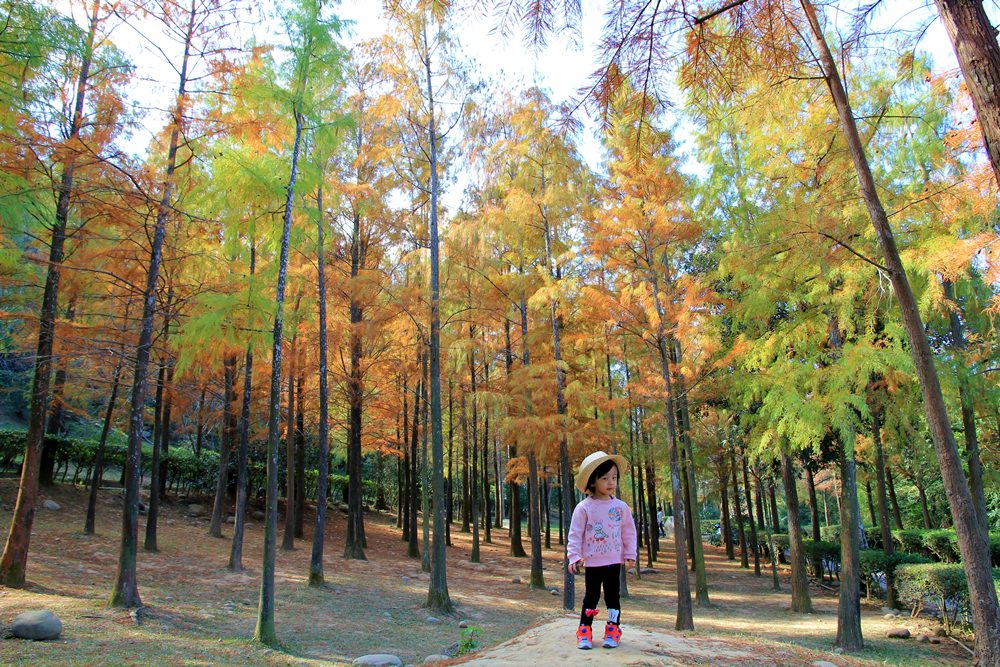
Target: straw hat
[{"x": 589, "y": 465}]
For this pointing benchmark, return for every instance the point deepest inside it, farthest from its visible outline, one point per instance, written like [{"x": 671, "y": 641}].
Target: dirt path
[{"x": 552, "y": 643}]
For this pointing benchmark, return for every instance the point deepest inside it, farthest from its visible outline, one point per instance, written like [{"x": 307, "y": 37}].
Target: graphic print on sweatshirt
[{"x": 606, "y": 536}]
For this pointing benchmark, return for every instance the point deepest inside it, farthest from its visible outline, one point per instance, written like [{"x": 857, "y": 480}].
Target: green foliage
[
  {"x": 875, "y": 561},
  {"x": 943, "y": 583},
  {"x": 470, "y": 640},
  {"x": 822, "y": 549},
  {"x": 942, "y": 544},
  {"x": 911, "y": 541}
]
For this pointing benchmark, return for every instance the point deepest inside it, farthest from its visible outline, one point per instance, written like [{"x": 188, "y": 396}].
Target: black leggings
[{"x": 604, "y": 575}]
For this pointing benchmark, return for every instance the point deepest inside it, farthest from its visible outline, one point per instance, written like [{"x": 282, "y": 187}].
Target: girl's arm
[
  {"x": 574, "y": 540},
  {"x": 629, "y": 549}
]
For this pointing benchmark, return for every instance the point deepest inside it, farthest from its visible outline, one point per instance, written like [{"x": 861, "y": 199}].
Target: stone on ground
[
  {"x": 378, "y": 660},
  {"x": 898, "y": 633},
  {"x": 37, "y": 624},
  {"x": 50, "y": 504},
  {"x": 437, "y": 657},
  {"x": 823, "y": 663},
  {"x": 195, "y": 509}
]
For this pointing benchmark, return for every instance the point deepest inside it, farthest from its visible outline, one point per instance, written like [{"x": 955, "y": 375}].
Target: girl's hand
[
  {"x": 629, "y": 564},
  {"x": 576, "y": 567}
]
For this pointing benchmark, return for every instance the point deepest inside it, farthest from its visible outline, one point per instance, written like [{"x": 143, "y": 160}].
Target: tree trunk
[
  {"x": 487, "y": 535},
  {"x": 972, "y": 540},
  {"x": 413, "y": 547},
  {"x": 316, "y": 576},
  {"x": 966, "y": 393},
  {"x": 516, "y": 544},
  {"x": 800, "y": 584},
  {"x": 265, "y": 632},
  {"x": 923, "y": 506},
  {"x": 126, "y": 591},
  {"x": 685, "y": 613},
  {"x": 14, "y": 562},
  {"x": 425, "y": 482},
  {"x": 288, "y": 535},
  {"x": 473, "y": 444},
  {"x": 883, "y": 506},
  {"x": 817, "y": 562},
  {"x": 225, "y": 444},
  {"x": 300, "y": 459},
  {"x": 871, "y": 502},
  {"x": 158, "y": 435},
  {"x": 974, "y": 39},
  {"x": 450, "y": 500},
  {"x": 98, "y": 474},
  {"x": 698, "y": 552},
  {"x": 437, "y": 595},
  {"x": 744, "y": 553},
  {"x": 354, "y": 540},
  {"x": 849, "y": 608},
  {"x": 754, "y": 545},
  {"x": 726, "y": 525},
  {"x": 57, "y": 414},
  {"x": 897, "y": 517},
  {"x": 236, "y": 552},
  {"x": 759, "y": 492}
]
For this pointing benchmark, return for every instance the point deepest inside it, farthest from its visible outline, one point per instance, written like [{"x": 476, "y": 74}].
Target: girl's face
[{"x": 606, "y": 485}]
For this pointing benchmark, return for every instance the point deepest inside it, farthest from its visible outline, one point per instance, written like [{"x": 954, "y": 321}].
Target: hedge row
[
  {"x": 182, "y": 466},
  {"x": 936, "y": 544},
  {"x": 184, "y": 469}
]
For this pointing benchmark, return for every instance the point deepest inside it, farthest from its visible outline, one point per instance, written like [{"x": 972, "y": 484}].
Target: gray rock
[
  {"x": 940, "y": 632},
  {"x": 257, "y": 515},
  {"x": 648, "y": 570},
  {"x": 195, "y": 510},
  {"x": 554, "y": 591},
  {"x": 378, "y": 660},
  {"x": 515, "y": 580},
  {"x": 437, "y": 657},
  {"x": 923, "y": 639},
  {"x": 898, "y": 633},
  {"x": 823, "y": 663},
  {"x": 838, "y": 651},
  {"x": 50, "y": 504},
  {"x": 889, "y": 617},
  {"x": 463, "y": 624},
  {"x": 431, "y": 619},
  {"x": 935, "y": 640},
  {"x": 38, "y": 624}
]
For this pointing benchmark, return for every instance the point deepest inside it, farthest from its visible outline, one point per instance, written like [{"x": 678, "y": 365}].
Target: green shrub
[
  {"x": 911, "y": 541},
  {"x": 942, "y": 544},
  {"x": 945, "y": 583}
]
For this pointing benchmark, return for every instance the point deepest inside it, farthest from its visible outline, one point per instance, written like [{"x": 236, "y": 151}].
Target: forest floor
[{"x": 197, "y": 612}]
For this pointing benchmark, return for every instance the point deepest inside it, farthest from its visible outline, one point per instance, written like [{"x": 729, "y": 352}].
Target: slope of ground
[{"x": 199, "y": 613}]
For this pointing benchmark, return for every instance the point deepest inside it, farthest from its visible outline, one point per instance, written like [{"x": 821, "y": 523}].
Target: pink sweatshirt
[{"x": 602, "y": 533}]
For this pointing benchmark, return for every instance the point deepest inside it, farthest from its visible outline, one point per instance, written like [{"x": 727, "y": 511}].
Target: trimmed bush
[
  {"x": 944, "y": 583},
  {"x": 911, "y": 541},
  {"x": 942, "y": 545}
]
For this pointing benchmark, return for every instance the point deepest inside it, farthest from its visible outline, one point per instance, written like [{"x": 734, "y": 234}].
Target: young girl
[{"x": 601, "y": 537}]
